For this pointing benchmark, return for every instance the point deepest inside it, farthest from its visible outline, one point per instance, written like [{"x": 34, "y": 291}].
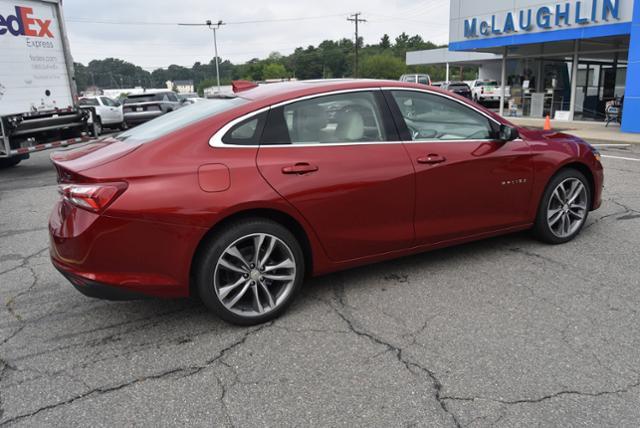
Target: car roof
[{"x": 283, "y": 91}]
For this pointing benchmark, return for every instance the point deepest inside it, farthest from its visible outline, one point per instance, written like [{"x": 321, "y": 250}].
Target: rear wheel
[
  {"x": 564, "y": 207},
  {"x": 249, "y": 273},
  {"x": 10, "y": 162}
]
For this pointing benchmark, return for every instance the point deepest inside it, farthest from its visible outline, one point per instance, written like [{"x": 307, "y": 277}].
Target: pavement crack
[
  {"x": 543, "y": 398},
  {"x": 340, "y": 307},
  {"x": 185, "y": 371}
]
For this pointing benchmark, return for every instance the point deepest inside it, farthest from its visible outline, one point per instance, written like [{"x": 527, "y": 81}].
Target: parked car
[
  {"x": 139, "y": 108},
  {"x": 187, "y": 99},
  {"x": 487, "y": 91},
  {"x": 238, "y": 200},
  {"x": 459, "y": 88},
  {"x": 422, "y": 79},
  {"x": 108, "y": 113}
]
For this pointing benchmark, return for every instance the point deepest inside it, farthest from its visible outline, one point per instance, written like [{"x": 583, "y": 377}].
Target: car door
[
  {"x": 110, "y": 113},
  {"x": 467, "y": 182},
  {"x": 337, "y": 159}
]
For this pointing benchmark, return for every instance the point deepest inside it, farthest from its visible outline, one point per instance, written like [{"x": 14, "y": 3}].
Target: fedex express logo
[{"x": 24, "y": 24}]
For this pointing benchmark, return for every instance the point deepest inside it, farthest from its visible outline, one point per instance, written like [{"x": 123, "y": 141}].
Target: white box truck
[{"x": 38, "y": 98}]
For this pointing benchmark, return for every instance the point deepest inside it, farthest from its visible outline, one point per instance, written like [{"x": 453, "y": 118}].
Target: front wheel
[
  {"x": 9, "y": 162},
  {"x": 97, "y": 127},
  {"x": 564, "y": 207},
  {"x": 250, "y": 272}
]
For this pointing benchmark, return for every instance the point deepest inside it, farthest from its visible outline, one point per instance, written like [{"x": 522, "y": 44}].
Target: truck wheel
[{"x": 9, "y": 162}]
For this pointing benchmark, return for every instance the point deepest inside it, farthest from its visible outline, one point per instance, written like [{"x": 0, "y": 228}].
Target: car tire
[
  {"x": 234, "y": 288},
  {"x": 97, "y": 127},
  {"x": 564, "y": 207},
  {"x": 9, "y": 162}
]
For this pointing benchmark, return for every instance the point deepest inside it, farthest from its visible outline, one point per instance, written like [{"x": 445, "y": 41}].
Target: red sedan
[{"x": 238, "y": 200}]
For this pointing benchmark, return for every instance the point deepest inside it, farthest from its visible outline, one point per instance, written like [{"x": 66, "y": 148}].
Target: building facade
[{"x": 576, "y": 57}]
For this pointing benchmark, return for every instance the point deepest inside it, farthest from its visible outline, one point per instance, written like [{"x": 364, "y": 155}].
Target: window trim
[{"x": 216, "y": 138}]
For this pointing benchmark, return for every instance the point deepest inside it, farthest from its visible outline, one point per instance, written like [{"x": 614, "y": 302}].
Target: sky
[{"x": 145, "y": 32}]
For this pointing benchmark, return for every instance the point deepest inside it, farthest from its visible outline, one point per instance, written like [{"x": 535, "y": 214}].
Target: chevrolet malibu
[{"x": 236, "y": 201}]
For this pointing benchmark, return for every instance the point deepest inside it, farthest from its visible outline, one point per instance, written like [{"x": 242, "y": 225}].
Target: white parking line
[{"x": 620, "y": 157}]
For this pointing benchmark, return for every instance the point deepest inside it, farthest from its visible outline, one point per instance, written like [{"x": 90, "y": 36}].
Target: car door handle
[
  {"x": 299, "y": 168},
  {"x": 432, "y": 159}
]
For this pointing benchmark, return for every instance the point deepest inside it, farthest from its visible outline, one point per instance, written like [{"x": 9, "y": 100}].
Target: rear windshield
[
  {"x": 179, "y": 119},
  {"x": 88, "y": 102},
  {"x": 133, "y": 99},
  {"x": 489, "y": 83},
  {"x": 459, "y": 86}
]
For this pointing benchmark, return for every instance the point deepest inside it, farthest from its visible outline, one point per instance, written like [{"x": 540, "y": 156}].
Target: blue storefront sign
[
  {"x": 502, "y": 23},
  {"x": 544, "y": 17}
]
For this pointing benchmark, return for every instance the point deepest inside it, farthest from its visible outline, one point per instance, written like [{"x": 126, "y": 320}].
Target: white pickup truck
[
  {"x": 487, "y": 91},
  {"x": 38, "y": 101}
]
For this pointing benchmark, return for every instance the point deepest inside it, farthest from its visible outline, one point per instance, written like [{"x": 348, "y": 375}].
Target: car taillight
[{"x": 92, "y": 197}]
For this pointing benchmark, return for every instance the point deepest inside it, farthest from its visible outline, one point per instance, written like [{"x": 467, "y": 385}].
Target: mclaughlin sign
[{"x": 560, "y": 15}]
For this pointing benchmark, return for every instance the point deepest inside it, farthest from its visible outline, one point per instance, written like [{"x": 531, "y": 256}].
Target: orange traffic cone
[{"x": 547, "y": 123}]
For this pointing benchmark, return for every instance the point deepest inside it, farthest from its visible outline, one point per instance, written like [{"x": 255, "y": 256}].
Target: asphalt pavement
[{"x": 503, "y": 332}]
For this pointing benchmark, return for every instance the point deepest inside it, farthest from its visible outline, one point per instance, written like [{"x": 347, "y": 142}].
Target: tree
[
  {"x": 382, "y": 66},
  {"x": 274, "y": 71},
  {"x": 385, "y": 42}
]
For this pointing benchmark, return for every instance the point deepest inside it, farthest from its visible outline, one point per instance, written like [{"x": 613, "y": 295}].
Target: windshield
[
  {"x": 488, "y": 83},
  {"x": 179, "y": 119}
]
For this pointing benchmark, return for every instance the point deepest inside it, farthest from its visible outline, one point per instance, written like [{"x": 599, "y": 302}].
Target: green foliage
[
  {"x": 382, "y": 66},
  {"x": 274, "y": 71},
  {"x": 330, "y": 59}
]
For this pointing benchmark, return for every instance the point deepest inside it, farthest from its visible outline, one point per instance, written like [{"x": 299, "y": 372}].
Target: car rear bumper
[
  {"x": 116, "y": 258},
  {"x": 140, "y": 117}
]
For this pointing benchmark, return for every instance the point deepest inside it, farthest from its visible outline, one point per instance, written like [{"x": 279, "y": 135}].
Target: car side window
[
  {"x": 172, "y": 97},
  {"x": 88, "y": 102},
  {"x": 108, "y": 102},
  {"x": 247, "y": 132},
  {"x": 435, "y": 117},
  {"x": 342, "y": 118}
]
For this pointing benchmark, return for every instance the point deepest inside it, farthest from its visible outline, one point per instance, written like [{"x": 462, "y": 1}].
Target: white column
[
  {"x": 574, "y": 80},
  {"x": 503, "y": 77},
  {"x": 447, "y": 78}
]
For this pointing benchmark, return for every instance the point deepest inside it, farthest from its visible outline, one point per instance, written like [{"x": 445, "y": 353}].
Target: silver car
[{"x": 139, "y": 108}]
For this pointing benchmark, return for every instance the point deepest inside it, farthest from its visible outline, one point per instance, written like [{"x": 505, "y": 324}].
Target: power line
[
  {"x": 355, "y": 18},
  {"x": 158, "y": 23}
]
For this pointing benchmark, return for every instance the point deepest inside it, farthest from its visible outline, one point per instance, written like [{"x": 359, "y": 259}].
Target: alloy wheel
[
  {"x": 567, "y": 208},
  {"x": 254, "y": 275}
]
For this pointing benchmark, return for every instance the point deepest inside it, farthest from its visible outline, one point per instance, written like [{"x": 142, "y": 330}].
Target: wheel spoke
[
  {"x": 257, "y": 243},
  {"x": 233, "y": 251},
  {"x": 575, "y": 193},
  {"x": 256, "y": 299},
  {"x": 556, "y": 195},
  {"x": 240, "y": 294},
  {"x": 577, "y": 214},
  {"x": 269, "y": 250},
  {"x": 225, "y": 264},
  {"x": 280, "y": 277},
  {"x": 224, "y": 291},
  {"x": 286, "y": 264},
  {"x": 268, "y": 293},
  {"x": 553, "y": 216}
]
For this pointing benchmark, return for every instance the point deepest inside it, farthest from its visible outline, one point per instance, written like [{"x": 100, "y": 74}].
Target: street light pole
[{"x": 215, "y": 27}]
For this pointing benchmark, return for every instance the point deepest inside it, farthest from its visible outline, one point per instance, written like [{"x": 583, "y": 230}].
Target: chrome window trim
[{"x": 216, "y": 139}]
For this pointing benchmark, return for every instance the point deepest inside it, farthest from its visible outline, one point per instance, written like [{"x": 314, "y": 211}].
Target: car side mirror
[{"x": 507, "y": 133}]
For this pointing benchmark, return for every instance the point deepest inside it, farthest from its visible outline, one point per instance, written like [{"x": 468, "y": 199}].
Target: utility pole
[
  {"x": 216, "y": 27},
  {"x": 355, "y": 18}
]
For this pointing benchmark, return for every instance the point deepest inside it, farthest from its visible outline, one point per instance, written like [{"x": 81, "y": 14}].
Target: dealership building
[{"x": 570, "y": 59}]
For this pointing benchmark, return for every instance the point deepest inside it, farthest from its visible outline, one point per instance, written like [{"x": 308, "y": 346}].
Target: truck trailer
[{"x": 38, "y": 97}]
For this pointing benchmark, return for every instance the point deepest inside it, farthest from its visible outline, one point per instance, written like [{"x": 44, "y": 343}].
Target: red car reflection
[{"x": 238, "y": 200}]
